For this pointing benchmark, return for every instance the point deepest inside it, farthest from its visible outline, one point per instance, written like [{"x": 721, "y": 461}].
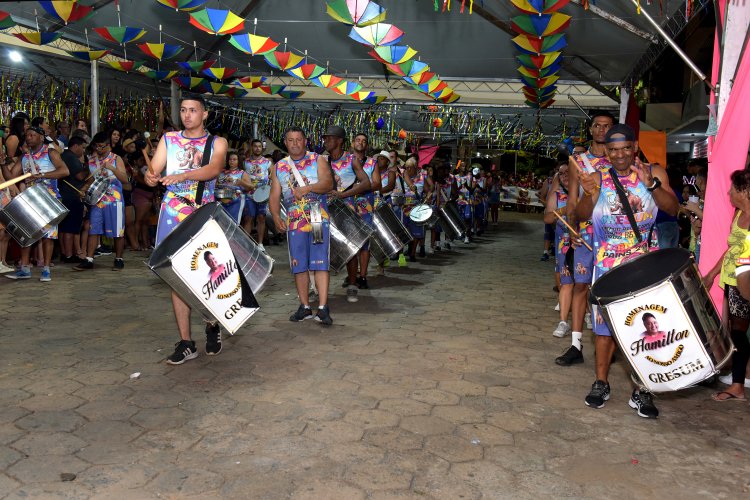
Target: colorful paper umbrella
[
  {"x": 183, "y": 5},
  {"x": 409, "y": 68},
  {"x": 120, "y": 34},
  {"x": 356, "y": 12},
  {"x": 393, "y": 54},
  {"x": 216, "y": 21},
  {"x": 250, "y": 82},
  {"x": 188, "y": 82},
  {"x": 540, "y": 61},
  {"x": 346, "y": 88},
  {"x": 159, "y": 75},
  {"x": 539, "y": 6},
  {"x": 283, "y": 60},
  {"x": 6, "y": 21},
  {"x": 126, "y": 66},
  {"x": 326, "y": 81},
  {"x": 539, "y": 73},
  {"x": 160, "y": 51},
  {"x": 535, "y": 93},
  {"x": 37, "y": 37},
  {"x": 236, "y": 93},
  {"x": 213, "y": 87},
  {"x": 543, "y": 25},
  {"x": 374, "y": 99},
  {"x": 534, "y": 45},
  {"x": 219, "y": 73},
  {"x": 443, "y": 92},
  {"x": 449, "y": 98},
  {"x": 272, "y": 89},
  {"x": 540, "y": 105},
  {"x": 539, "y": 82},
  {"x": 420, "y": 78},
  {"x": 290, "y": 94},
  {"x": 66, "y": 11},
  {"x": 307, "y": 71},
  {"x": 89, "y": 55},
  {"x": 196, "y": 66},
  {"x": 380, "y": 34},
  {"x": 253, "y": 45},
  {"x": 433, "y": 86}
]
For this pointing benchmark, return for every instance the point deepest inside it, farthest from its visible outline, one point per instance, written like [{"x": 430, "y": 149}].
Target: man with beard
[{"x": 256, "y": 166}]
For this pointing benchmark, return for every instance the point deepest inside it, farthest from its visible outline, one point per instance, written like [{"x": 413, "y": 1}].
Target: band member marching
[
  {"x": 236, "y": 180},
  {"x": 419, "y": 187},
  {"x": 445, "y": 191},
  {"x": 181, "y": 153},
  {"x": 257, "y": 167},
  {"x": 300, "y": 182}
]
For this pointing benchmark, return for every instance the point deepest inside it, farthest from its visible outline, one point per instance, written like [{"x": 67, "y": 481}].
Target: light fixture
[
  {"x": 15, "y": 56},
  {"x": 676, "y": 142}
]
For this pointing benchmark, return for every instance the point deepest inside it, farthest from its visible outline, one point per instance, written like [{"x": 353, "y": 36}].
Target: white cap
[
  {"x": 475, "y": 171},
  {"x": 384, "y": 153}
]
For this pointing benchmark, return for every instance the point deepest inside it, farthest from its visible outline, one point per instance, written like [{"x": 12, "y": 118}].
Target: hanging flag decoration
[
  {"x": 67, "y": 11},
  {"x": 217, "y": 22},
  {"x": 219, "y": 73},
  {"x": 447, "y": 6},
  {"x": 126, "y": 66},
  {"x": 37, "y": 37},
  {"x": 89, "y": 55},
  {"x": 160, "y": 51},
  {"x": 252, "y": 44},
  {"x": 283, "y": 60},
  {"x": 307, "y": 71},
  {"x": 6, "y": 21},
  {"x": 196, "y": 66},
  {"x": 120, "y": 34},
  {"x": 355, "y": 12},
  {"x": 183, "y": 5},
  {"x": 159, "y": 75},
  {"x": 380, "y": 34}
]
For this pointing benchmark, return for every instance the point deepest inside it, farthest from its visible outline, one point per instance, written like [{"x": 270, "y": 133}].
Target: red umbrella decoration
[
  {"x": 271, "y": 89},
  {"x": 534, "y": 45},
  {"x": 66, "y": 11},
  {"x": 188, "y": 82},
  {"x": 540, "y": 25},
  {"x": 539, "y": 6},
  {"x": 89, "y": 55},
  {"x": 250, "y": 82},
  {"x": 326, "y": 81},
  {"x": 183, "y": 5},
  {"x": 196, "y": 66},
  {"x": 307, "y": 71},
  {"x": 217, "y": 22},
  {"x": 6, "y": 21},
  {"x": 37, "y": 37},
  {"x": 393, "y": 54}
]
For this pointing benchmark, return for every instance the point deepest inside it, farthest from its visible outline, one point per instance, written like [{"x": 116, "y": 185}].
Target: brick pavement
[{"x": 438, "y": 383}]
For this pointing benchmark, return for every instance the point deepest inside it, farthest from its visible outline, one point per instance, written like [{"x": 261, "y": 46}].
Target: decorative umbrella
[
  {"x": 236, "y": 93},
  {"x": 37, "y": 37},
  {"x": 252, "y": 44},
  {"x": 183, "y": 5},
  {"x": 539, "y": 82},
  {"x": 326, "y": 81},
  {"x": 196, "y": 66},
  {"x": 66, "y": 11},
  {"x": 160, "y": 51},
  {"x": 449, "y": 98},
  {"x": 126, "y": 66},
  {"x": 540, "y": 61},
  {"x": 409, "y": 68},
  {"x": 283, "y": 60},
  {"x": 374, "y": 99},
  {"x": 380, "y": 34},
  {"x": 6, "y": 21},
  {"x": 539, "y": 6},
  {"x": 356, "y": 12},
  {"x": 250, "y": 82},
  {"x": 346, "y": 87},
  {"x": 393, "y": 54},
  {"x": 540, "y": 105},
  {"x": 539, "y": 73},
  {"x": 433, "y": 86},
  {"x": 420, "y": 78},
  {"x": 219, "y": 73},
  {"x": 361, "y": 96},
  {"x": 159, "y": 75},
  {"x": 120, "y": 34},
  {"x": 213, "y": 87},
  {"x": 541, "y": 25},
  {"x": 534, "y": 45},
  {"x": 188, "y": 82},
  {"x": 290, "y": 94},
  {"x": 271, "y": 89},
  {"x": 216, "y": 21},
  {"x": 89, "y": 55},
  {"x": 307, "y": 71},
  {"x": 534, "y": 93}
]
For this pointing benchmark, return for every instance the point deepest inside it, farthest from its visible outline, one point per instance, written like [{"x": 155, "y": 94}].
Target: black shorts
[
  {"x": 127, "y": 198},
  {"x": 73, "y": 221}
]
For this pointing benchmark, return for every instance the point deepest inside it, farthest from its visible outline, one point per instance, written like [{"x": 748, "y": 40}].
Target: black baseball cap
[
  {"x": 617, "y": 130},
  {"x": 335, "y": 131}
]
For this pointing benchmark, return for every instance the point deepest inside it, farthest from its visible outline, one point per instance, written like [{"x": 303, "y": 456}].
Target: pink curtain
[{"x": 426, "y": 153}]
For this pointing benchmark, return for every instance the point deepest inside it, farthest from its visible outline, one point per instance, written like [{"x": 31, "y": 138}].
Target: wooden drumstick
[
  {"x": 572, "y": 231},
  {"x": 13, "y": 181},
  {"x": 148, "y": 162},
  {"x": 72, "y": 186}
]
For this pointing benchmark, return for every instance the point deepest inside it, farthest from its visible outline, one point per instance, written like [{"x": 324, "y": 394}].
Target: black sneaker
[
  {"x": 184, "y": 351},
  {"x": 545, "y": 257},
  {"x": 302, "y": 314},
  {"x": 102, "y": 250},
  {"x": 643, "y": 403},
  {"x": 323, "y": 316},
  {"x": 362, "y": 283},
  {"x": 119, "y": 265},
  {"x": 412, "y": 259},
  {"x": 421, "y": 251},
  {"x": 572, "y": 356},
  {"x": 73, "y": 259},
  {"x": 84, "y": 266},
  {"x": 447, "y": 246},
  {"x": 436, "y": 248},
  {"x": 599, "y": 394},
  {"x": 213, "y": 339},
  {"x": 345, "y": 283}
]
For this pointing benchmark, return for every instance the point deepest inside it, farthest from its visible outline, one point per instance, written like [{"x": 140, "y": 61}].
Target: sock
[
  {"x": 576, "y": 338},
  {"x": 26, "y": 269},
  {"x": 90, "y": 259},
  {"x": 118, "y": 258},
  {"x": 45, "y": 268}
]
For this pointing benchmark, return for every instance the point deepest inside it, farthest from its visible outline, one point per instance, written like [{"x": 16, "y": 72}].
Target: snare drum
[
  {"x": 31, "y": 214},
  {"x": 423, "y": 215},
  {"x": 398, "y": 199},
  {"x": 224, "y": 194},
  {"x": 684, "y": 343},
  {"x": 96, "y": 191},
  {"x": 262, "y": 194}
]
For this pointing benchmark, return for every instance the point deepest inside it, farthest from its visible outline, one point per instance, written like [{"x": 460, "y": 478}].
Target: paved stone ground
[{"x": 438, "y": 383}]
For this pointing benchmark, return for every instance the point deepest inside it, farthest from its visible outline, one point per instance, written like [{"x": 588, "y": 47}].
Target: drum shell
[
  {"x": 451, "y": 221},
  {"x": 224, "y": 193},
  {"x": 430, "y": 221},
  {"x": 390, "y": 235},
  {"x": 349, "y": 233},
  {"x": 30, "y": 215},
  {"x": 398, "y": 199},
  {"x": 255, "y": 265},
  {"x": 261, "y": 194},
  {"x": 96, "y": 190},
  {"x": 685, "y": 280}
]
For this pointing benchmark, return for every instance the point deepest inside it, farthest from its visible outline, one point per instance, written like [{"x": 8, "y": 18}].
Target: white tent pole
[
  {"x": 174, "y": 103},
  {"x": 94, "y": 98}
]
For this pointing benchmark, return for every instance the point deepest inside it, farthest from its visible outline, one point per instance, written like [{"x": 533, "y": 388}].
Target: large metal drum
[
  {"x": 349, "y": 233},
  {"x": 424, "y": 215},
  {"x": 663, "y": 319},
  {"x": 31, "y": 214},
  {"x": 451, "y": 221},
  {"x": 96, "y": 190},
  {"x": 200, "y": 260},
  {"x": 225, "y": 194},
  {"x": 390, "y": 235}
]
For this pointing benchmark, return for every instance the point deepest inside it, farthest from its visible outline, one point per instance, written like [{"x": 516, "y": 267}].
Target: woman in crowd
[{"x": 234, "y": 181}]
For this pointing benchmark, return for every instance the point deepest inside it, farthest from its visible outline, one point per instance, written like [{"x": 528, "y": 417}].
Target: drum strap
[
  {"x": 625, "y": 204},
  {"x": 206, "y": 159}
]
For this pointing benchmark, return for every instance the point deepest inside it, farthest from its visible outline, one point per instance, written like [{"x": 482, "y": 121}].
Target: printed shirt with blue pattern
[
  {"x": 183, "y": 155},
  {"x": 40, "y": 162},
  {"x": 114, "y": 191},
  {"x": 298, "y": 211},
  {"x": 257, "y": 169}
]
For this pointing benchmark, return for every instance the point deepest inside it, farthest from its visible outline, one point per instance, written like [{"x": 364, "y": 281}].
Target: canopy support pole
[
  {"x": 617, "y": 21},
  {"x": 174, "y": 103},
  {"x": 94, "y": 98}
]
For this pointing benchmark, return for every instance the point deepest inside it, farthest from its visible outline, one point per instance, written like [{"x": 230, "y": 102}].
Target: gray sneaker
[{"x": 351, "y": 293}]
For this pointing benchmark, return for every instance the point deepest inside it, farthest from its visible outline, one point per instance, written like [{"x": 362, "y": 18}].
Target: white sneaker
[
  {"x": 351, "y": 293},
  {"x": 6, "y": 269},
  {"x": 587, "y": 319},
  {"x": 261, "y": 247},
  {"x": 557, "y": 307},
  {"x": 380, "y": 270},
  {"x": 466, "y": 240},
  {"x": 727, "y": 380},
  {"x": 562, "y": 329}
]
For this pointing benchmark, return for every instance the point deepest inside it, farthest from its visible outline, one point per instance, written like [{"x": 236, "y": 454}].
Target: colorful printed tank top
[
  {"x": 257, "y": 169},
  {"x": 464, "y": 183},
  {"x": 185, "y": 154},
  {"x": 364, "y": 202},
  {"x": 298, "y": 211},
  {"x": 98, "y": 170},
  {"x": 343, "y": 172},
  {"x": 614, "y": 239},
  {"x": 40, "y": 162},
  {"x": 562, "y": 236},
  {"x": 411, "y": 198},
  {"x": 234, "y": 176},
  {"x": 590, "y": 164}
]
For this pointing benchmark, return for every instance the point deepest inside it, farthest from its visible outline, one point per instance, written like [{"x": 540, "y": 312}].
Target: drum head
[
  {"x": 421, "y": 213},
  {"x": 262, "y": 194},
  {"x": 640, "y": 274}
]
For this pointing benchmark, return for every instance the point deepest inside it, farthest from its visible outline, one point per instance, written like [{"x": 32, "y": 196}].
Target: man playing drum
[
  {"x": 622, "y": 204},
  {"x": 182, "y": 155},
  {"x": 257, "y": 167},
  {"x": 593, "y": 160},
  {"x": 47, "y": 167},
  {"x": 107, "y": 217},
  {"x": 418, "y": 188},
  {"x": 300, "y": 181}
]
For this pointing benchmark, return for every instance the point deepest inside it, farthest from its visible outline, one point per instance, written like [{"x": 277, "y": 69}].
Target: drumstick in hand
[
  {"x": 148, "y": 162},
  {"x": 572, "y": 231},
  {"x": 72, "y": 186},
  {"x": 13, "y": 181}
]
